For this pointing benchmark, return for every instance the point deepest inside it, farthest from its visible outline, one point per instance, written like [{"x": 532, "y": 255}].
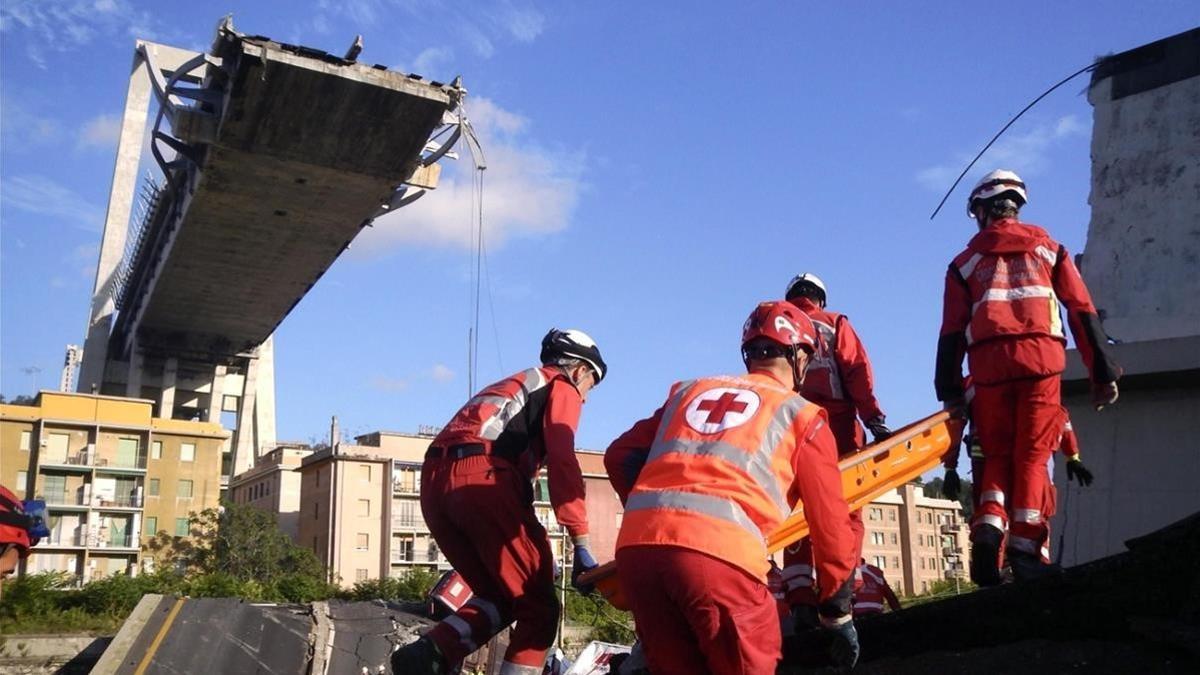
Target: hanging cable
[{"x": 1032, "y": 103}]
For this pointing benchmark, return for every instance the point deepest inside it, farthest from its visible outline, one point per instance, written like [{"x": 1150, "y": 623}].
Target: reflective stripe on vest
[
  {"x": 708, "y": 505},
  {"x": 531, "y": 381}
]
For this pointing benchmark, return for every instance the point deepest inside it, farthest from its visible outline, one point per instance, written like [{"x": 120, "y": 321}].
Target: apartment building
[
  {"x": 112, "y": 476},
  {"x": 362, "y": 517},
  {"x": 273, "y": 485},
  {"x": 916, "y": 540}
]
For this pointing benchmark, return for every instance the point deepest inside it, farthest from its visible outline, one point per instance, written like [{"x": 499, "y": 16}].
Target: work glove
[
  {"x": 1078, "y": 472},
  {"x": 1104, "y": 393},
  {"x": 951, "y": 485},
  {"x": 582, "y": 562},
  {"x": 879, "y": 429},
  {"x": 957, "y": 407},
  {"x": 843, "y": 648}
]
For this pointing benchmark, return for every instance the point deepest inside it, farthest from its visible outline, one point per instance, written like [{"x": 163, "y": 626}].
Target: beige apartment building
[
  {"x": 916, "y": 540},
  {"x": 112, "y": 476},
  {"x": 273, "y": 485},
  {"x": 361, "y": 511}
]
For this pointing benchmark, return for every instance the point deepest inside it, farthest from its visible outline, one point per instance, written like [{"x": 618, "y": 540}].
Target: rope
[{"x": 1005, "y": 128}]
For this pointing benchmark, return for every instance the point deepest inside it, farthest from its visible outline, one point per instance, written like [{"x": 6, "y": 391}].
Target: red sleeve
[
  {"x": 952, "y": 341},
  {"x": 627, "y": 455},
  {"x": 1089, "y": 335},
  {"x": 856, "y": 371},
  {"x": 819, "y": 483},
  {"x": 1070, "y": 444},
  {"x": 566, "y": 478},
  {"x": 890, "y": 595}
]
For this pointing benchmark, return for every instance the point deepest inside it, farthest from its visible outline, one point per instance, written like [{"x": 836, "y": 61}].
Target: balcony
[
  {"x": 63, "y": 540},
  {"x": 951, "y": 527},
  {"x": 117, "y": 502},
  {"x": 76, "y": 461},
  {"x": 405, "y": 489},
  {"x": 64, "y": 499},
  {"x": 126, "y": 541},
  {"x": 408, "y": 523},
  {"x": 107, "y": 465}
]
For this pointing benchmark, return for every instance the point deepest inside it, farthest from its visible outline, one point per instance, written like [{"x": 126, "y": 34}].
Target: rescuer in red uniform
[
  {"x": 1002, "y": 310},
  {"x": 871, "y": 591},
  {"x": 839, "y": 379},
  {"x": 704, "y": 480},
  {"x": 477, "y": 498}
]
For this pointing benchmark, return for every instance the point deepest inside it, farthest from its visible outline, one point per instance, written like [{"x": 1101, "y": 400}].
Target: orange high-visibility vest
[{"x": 719, "y": 476}]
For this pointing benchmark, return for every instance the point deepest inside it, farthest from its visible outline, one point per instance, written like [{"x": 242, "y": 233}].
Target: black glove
[
  {"x": 843, "y": 649},
  {"x": 879, "y": 429},
  {"x": 582, "y": 562},
  {"x": 951, "y": 486},
  {"x": 1078, "y": 472}
]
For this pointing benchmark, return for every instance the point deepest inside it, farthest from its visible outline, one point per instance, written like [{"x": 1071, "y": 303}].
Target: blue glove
[
  {"x": 843, "y": 650},
  {"x": 583, "y": 562}
]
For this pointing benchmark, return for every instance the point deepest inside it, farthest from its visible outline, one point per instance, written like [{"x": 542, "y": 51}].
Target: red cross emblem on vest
[{"x": 722, "y": 408}]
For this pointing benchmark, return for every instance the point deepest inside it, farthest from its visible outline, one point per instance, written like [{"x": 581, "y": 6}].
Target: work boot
[
  {"x": 1027, "y": 566},
  {"x": 419, "y": 658},
  {"x": 985, "y": 555}
]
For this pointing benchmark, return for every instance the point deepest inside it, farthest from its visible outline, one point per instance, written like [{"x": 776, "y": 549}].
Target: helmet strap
[{"x": 797, "y": 376}]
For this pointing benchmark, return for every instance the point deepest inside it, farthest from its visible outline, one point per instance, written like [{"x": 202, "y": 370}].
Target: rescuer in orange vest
[
  {"x": 477, "y": 499},
  {"x": 840, "y": 380},
  {"x": 1002, "y": 307},
  {"x": 872, "y": 591},
  {"x": 720, "y": 465}
]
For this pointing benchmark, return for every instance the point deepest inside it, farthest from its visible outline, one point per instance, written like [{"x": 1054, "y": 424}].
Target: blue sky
[{"x": 655, "y": 171}]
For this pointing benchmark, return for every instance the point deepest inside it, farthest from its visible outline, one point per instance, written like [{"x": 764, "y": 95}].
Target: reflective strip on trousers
[
  {"x": 798, "y": 576},
  {"x": 1030, "y": 516},
  {"x": 464, "y": 631},
  {"x": 531, "y": 381},
  {"x": 991, "y": 496},
  {"x": 708, "y": 505},
  {"x": 510, "y": 668},
  {"x": 492, "y": 612},
  {"x": 1024, "y": 545},
  {"x": 988, "y": 519},
  {"x": 868, "y": 605}
]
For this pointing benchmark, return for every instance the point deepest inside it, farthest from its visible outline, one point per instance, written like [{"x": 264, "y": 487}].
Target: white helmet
[
  {"x": 574, "y": 344},
  {"x": 808, "y": 278},
  {"x": 996, "y": 183}
]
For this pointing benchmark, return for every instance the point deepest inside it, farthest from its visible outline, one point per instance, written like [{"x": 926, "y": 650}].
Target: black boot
[
  {"x": 1027, "y": 566},
  {"x": 985, "y": 555},
  {"x": 419, "y": 658}
]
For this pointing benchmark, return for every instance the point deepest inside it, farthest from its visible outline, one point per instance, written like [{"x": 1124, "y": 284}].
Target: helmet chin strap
[{"x": 797, "y": 376}]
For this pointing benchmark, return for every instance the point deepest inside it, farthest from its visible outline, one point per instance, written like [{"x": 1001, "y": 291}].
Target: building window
[
  {"x": 874, "y": 514},
  {"x": 364, "y": 507},
  {"x": 156, "y": 450},
  {"x": 877, "y": 538},
  {"x": 318, "y": 477},
  {"x": 151, "y": 526},
  {"x": 362, "y": 541},
  {"x": 922, "y": 563},
  {"x": 181, "y": 527},
  {"x": 892, "y": 515},
  {"x": 880, "y": 562},
  {"x": 22, "y": 481},
  {"x": 187, "y": 452},
  {"x": 26, "y": 439},
  {"x": 360, "y": 574},
  {"x": 364, "y": 473},
  {"x": 185, "y": 489},
  {"x": 153, "y": 487},
  {"x": 433, "y": 551},
  {"x": 405, "y": 550},
  {"x": 316, "y": 510},
  {"x": 895, "y": 539},
  {"x": 57, "y": 446},
  {"x": 896, "y": 562},
  {"x": 929, "y": 518}
]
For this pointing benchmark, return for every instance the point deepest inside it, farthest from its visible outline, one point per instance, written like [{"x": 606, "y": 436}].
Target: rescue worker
[
  {"x": 704, "y": 480},
  {"x": 21, "y": 525},
  {"x": 1002, "y": 311},
  {"x": 477, "y": 498},
  {"x": 840, "y": 380},
  {"x": 872, "y": 591}
]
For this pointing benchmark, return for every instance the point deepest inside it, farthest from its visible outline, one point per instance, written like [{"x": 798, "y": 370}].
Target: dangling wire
[
  {"x": 477, "y": 248},
  {"x": 1032, "y": 103}
]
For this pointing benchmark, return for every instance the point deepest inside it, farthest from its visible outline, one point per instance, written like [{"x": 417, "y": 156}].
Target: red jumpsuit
[
  {"x": 477, "y": 498},
  {"x": 872, "y": 592},
  {"x": 703, "y": 481},
  {"x": 839, "y": 379},
  {"x": 1002, "y": 310}
]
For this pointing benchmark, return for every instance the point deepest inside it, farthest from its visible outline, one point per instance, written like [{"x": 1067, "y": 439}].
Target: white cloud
[
  {"x": 22, "y": 128},
  {"x": 67, "y": 25},
  {"x": 44, "y": 197},
  {"x": 389, "y": 384},
  {"x": 101, "y": 131},
  {"x": 525, "y": 24},
  {"x": 441, "y": 373},
  {"x": 1026, "y": 153},
  {"x": 529, "y": 191},
  {"x": 431, "y": 63}
]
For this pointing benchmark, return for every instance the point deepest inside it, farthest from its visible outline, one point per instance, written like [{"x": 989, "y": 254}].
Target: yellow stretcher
[{"x": 866, "y": 474}]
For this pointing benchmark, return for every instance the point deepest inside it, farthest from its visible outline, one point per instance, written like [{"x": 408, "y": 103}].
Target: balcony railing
[
  {"x": 64, "y": 539},
  {"x": 116, "y": 542},
  {"x": 951, "y": 551},
  {"x": 951, "y": 527},
  {"x": 73, "y": 498},
  {"x": 125, "y": 502},
  {"x": 407, "y": 521},
  {"x": 405, "y": 489}
]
